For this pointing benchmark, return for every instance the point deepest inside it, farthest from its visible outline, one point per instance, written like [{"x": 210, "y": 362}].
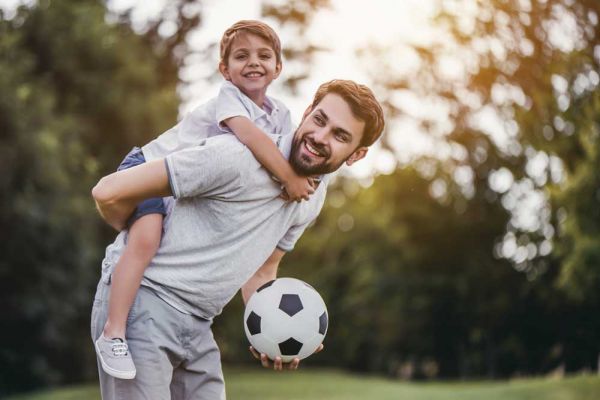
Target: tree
[
  {"x": 529, "y": 70},
  {"x": 76, "y": 93}
]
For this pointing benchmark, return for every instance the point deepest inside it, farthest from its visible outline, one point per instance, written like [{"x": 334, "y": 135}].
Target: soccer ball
[{"x": 286, "y": 317}]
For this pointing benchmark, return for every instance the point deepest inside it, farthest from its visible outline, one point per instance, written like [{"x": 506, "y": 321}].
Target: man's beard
[{"x": 304, "y": 166}]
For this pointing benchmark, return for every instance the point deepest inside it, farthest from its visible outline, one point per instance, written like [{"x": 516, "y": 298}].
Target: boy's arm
[
  {"x": 267, "y": 153},
  {"x": 116, "y": 195}
]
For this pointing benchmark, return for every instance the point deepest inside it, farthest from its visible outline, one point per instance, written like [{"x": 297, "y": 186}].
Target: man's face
[{"x": 328, "y": 136}]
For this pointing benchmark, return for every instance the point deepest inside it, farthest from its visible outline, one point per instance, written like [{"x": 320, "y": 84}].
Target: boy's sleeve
[
  {"x": 231, "y": 103},
  {"x": 213, "y": 168}
]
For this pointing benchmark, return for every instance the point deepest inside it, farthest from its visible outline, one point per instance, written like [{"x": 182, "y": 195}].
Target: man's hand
[{"x": 278, "y": 364}]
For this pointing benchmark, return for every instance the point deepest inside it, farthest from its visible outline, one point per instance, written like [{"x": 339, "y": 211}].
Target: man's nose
[{"x": 320, "y": 135}]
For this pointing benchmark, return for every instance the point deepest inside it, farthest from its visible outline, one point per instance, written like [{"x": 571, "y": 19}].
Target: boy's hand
[
  {"x": 278, "y": 365},
  {"x": 297, "y": 188}
]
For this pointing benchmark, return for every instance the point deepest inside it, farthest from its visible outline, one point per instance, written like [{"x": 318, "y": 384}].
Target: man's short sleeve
[
  {"x": 231, "y": 103},
  {"x": 213, "y": 168},
  {"x": 290, "y": 238}
]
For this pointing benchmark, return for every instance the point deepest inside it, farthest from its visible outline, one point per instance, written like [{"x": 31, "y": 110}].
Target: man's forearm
[
  {"x": 267, "y": 272},
  {"x": 117, "y": 194}
]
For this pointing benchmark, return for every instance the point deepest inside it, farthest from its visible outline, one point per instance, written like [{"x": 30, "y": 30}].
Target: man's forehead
[{"x": 340, "y": 114}]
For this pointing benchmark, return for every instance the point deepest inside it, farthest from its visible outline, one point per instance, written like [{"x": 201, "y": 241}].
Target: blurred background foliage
[{"x": 430, "y": 271}]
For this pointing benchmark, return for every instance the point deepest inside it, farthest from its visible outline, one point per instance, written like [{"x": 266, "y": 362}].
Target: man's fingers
[
  {"x": 254, "y": 353},
  {"x": 278, "y": 364},
  {"x": 294, "y": 364},
  {"x": 320, "y": 348},
  {"x": 264, "y": 360}
]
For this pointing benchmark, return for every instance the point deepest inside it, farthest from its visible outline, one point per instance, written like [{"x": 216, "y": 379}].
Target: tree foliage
[{"x": 76, "y": 94}]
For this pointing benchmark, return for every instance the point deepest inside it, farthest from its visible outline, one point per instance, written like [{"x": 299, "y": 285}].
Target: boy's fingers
[{"x": 320, "y": 348}]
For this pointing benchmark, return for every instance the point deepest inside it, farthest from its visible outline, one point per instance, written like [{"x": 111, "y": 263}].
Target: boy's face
[
  {"x": 251, "y": 65},
  {"x": 328, "y": 136}
]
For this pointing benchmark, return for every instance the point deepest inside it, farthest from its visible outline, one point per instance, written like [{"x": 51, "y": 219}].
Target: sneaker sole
[{"x": 113, "y": 372}]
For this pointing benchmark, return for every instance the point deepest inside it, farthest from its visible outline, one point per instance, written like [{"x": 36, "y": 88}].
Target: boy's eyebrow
[
  {"x": 260, "y": 49},
  {"x": 336, "y": 129}
]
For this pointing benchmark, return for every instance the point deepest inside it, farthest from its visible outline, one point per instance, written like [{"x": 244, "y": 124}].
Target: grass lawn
[{"x": 248, "y": 384}]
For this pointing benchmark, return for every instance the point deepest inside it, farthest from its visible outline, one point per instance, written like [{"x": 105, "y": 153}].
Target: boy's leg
[
  {"x": 143, "y": 240},
  {"x": 153, "y": 330},
  {"x": 112, "y": 347}
]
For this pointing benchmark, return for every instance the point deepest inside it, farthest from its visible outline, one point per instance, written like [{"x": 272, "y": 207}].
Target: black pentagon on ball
[
  {"x": 323, "y": 323},
  {"x": 290, "y": 304},
  {"x": 266, "y": 285},
  {"x": 290, "y": 347},
  {"x": 253, "y": 323}
]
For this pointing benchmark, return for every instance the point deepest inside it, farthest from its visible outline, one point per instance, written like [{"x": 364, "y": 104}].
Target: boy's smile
[{"x": 251, "y": 66}]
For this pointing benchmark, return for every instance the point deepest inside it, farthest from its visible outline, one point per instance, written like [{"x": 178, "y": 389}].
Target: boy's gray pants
[{"x": 175, "y": 354}]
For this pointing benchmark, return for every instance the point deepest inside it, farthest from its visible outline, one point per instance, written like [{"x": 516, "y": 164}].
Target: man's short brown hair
[
  {"x": 362, "y": 102},
  {"x": 257, "y": 28}
]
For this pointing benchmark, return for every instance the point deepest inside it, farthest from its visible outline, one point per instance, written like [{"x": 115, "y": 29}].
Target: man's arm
[
  {"x": 267, "y": 272},
  {"x": 116, "y": 195}
]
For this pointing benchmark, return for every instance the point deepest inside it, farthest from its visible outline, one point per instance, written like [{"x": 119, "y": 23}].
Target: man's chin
[{"x": 306, "y": 169}]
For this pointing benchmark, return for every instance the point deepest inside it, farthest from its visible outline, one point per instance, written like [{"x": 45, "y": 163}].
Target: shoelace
[{"x": 119, "y": 349}]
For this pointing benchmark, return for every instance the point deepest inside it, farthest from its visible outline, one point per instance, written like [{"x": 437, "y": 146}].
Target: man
[{"x": 227, "y": 229}]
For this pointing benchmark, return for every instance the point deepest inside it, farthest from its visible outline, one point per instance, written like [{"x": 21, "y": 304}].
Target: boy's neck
[{"x": 257, "y": 98}]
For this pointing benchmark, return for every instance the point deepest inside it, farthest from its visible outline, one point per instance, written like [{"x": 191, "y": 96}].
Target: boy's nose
[{"x": 253, "y": 61}]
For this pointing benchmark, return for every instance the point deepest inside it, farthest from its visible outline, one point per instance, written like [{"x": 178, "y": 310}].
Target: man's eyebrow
[{"x": 337, "y": 129}]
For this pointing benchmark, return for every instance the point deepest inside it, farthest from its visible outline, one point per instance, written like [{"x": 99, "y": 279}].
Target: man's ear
[
  {"x": 358, "y": 154},
  {"x": 224, "y": 71}
]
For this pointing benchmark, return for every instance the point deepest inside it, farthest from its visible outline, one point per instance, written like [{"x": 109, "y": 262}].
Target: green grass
[{"x": 248, "y": 384}]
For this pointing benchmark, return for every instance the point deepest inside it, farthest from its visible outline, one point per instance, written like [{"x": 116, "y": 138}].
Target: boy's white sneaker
[{"x": 115, "y": 357}]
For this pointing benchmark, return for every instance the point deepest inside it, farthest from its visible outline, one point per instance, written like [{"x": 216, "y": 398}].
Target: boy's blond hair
[
  {"x": 362, "y": 102},
  {"x": 257, "y": 28}
]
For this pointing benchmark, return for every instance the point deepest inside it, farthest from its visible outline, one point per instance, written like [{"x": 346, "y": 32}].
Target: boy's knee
[{"x": 146, "y": 232}]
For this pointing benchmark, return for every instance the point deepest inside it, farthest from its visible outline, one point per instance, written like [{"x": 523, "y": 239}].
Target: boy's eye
[{"x": 319, "y": 120}]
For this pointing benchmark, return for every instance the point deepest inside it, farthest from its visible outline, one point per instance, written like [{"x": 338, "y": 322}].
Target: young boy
[{"x": 250, "y": 61}]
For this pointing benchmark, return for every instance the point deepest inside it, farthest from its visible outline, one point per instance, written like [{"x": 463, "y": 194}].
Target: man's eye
[
  {"x": 341, "y": 137},
  {"x": 319, "y": 120}
]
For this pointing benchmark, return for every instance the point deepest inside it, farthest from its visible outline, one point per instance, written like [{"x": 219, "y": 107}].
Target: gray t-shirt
[{"x": 225, "y": 222}]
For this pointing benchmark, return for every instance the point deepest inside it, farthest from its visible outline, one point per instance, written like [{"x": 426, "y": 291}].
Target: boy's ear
[
  {"x": 358, "y": 154},
  {"x": 224, "y": 71},
  {"x": 278, "y": 69}
]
